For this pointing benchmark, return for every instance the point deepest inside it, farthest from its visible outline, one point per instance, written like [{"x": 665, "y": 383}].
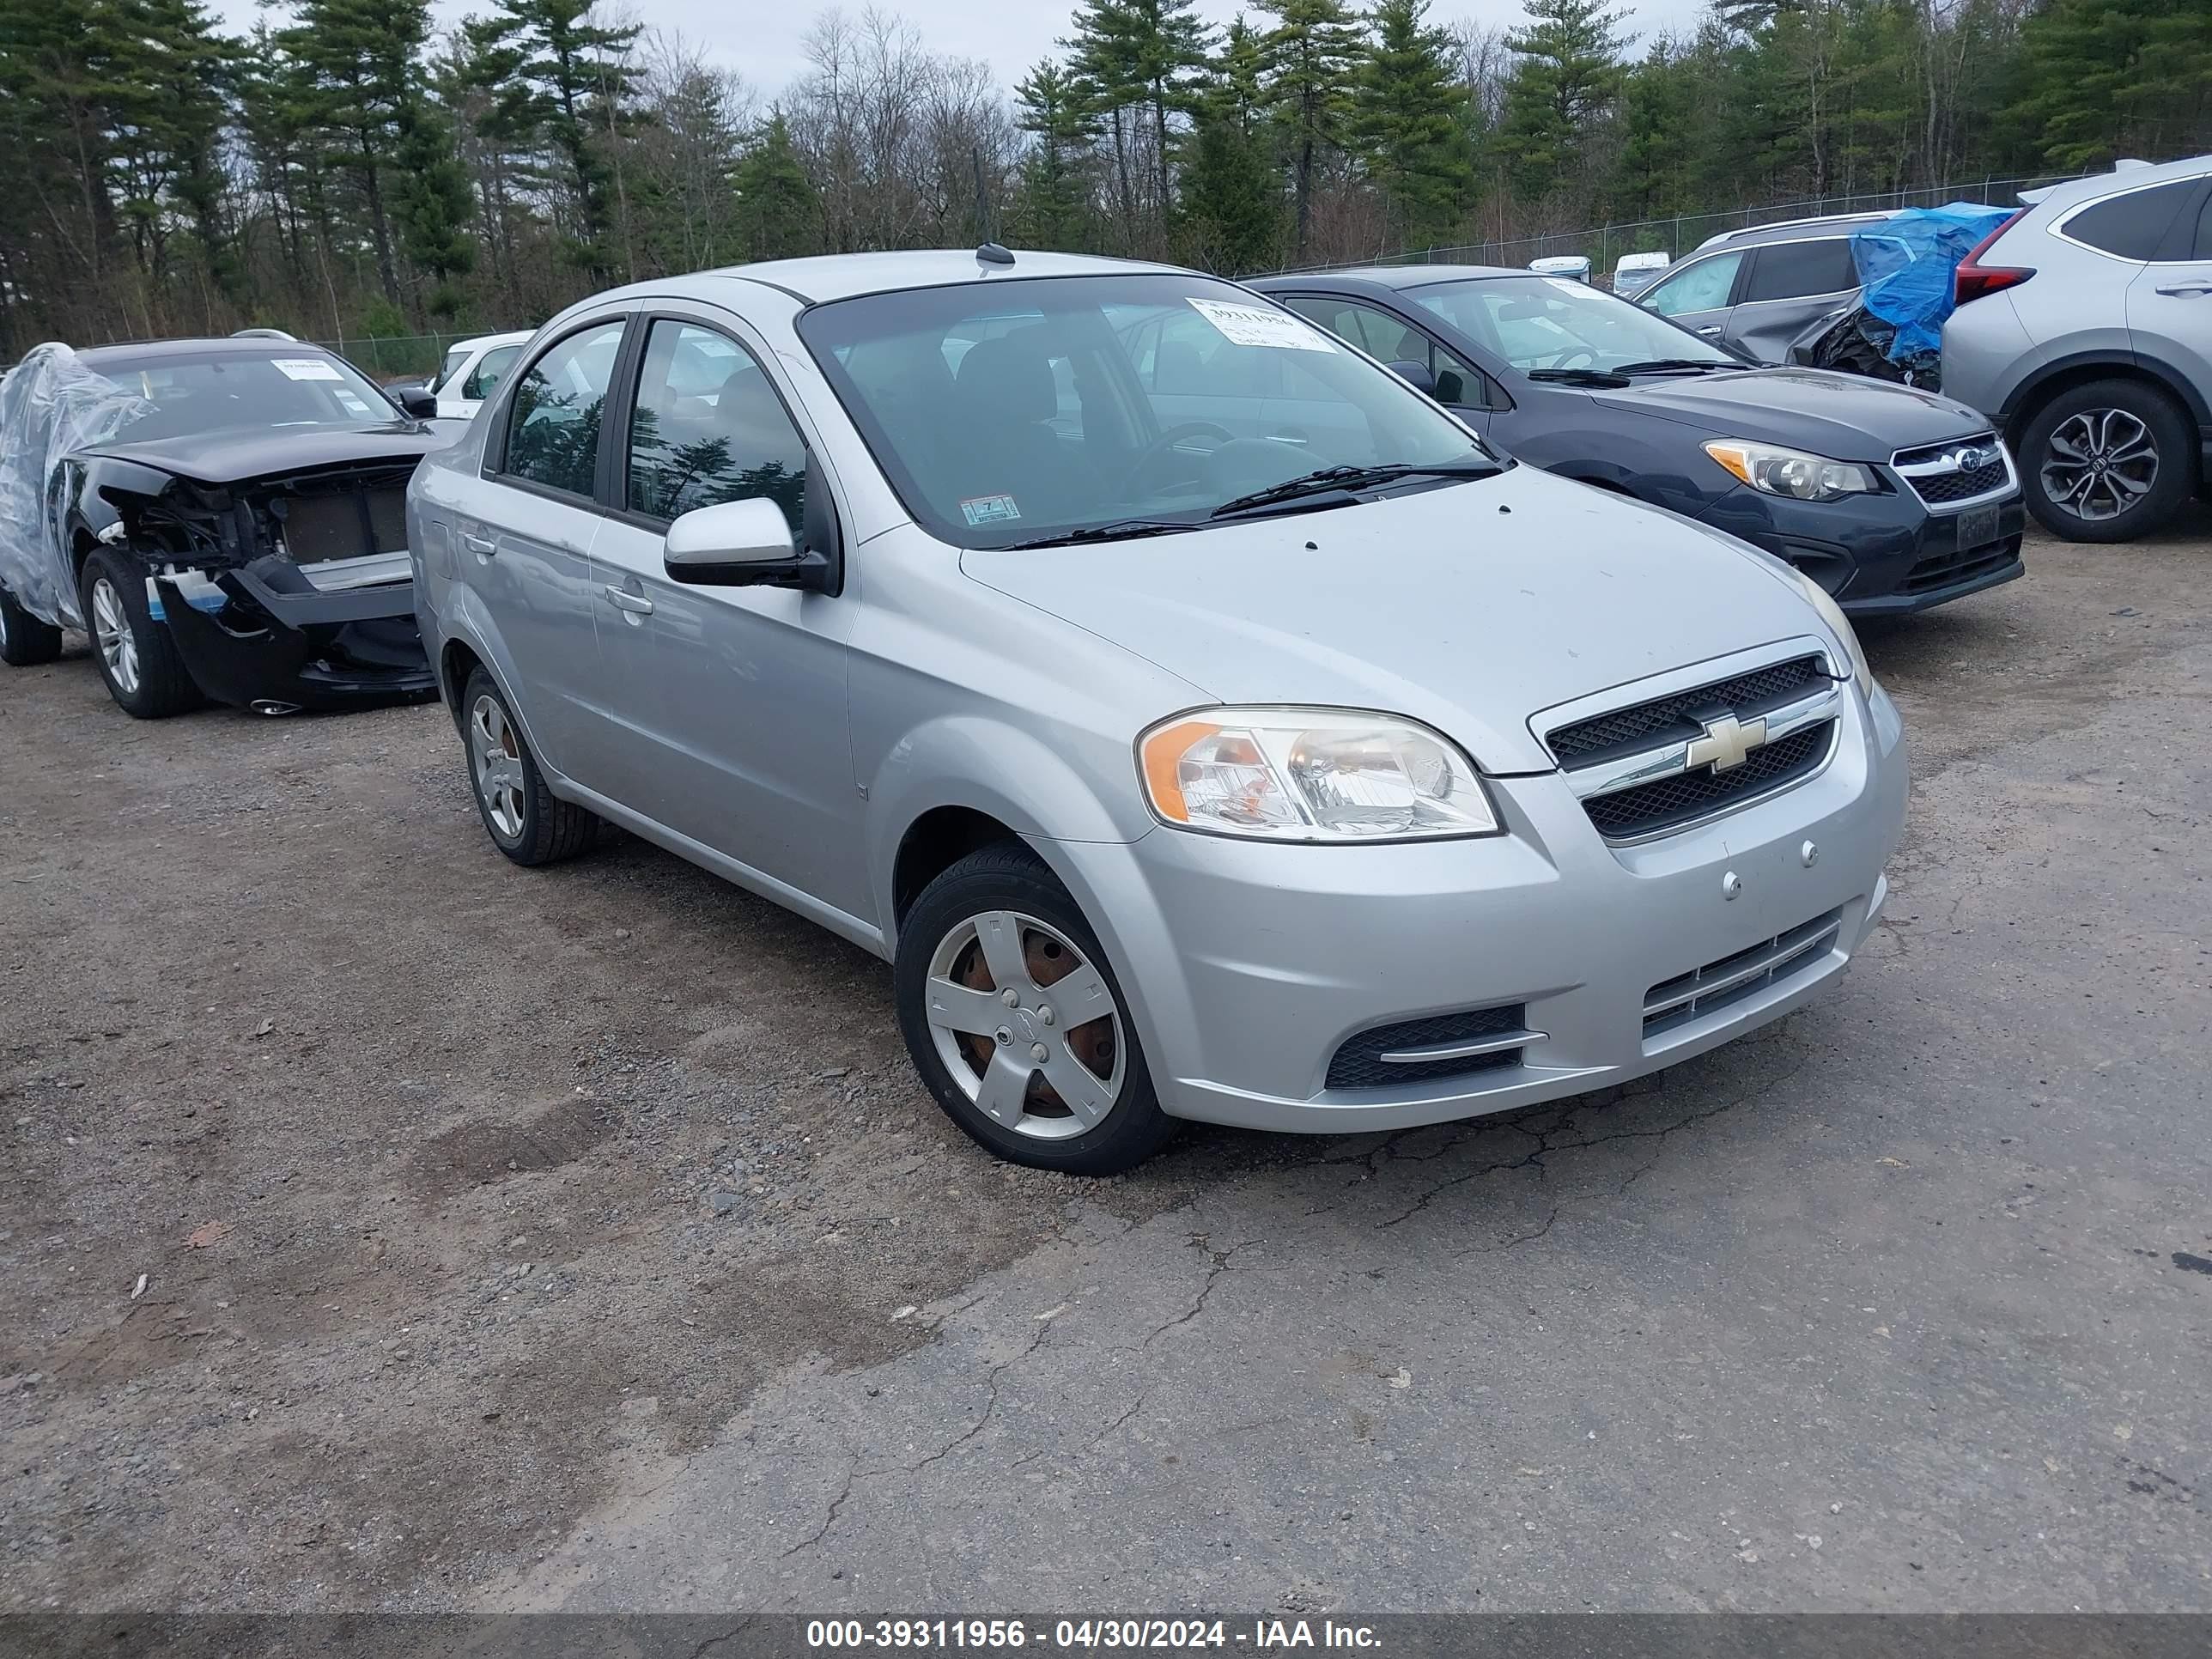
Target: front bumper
[
  {"x": 1884, "y": 555},
  {"x": 1248, "y": 964},
  {"x": 275, "y": 642}
]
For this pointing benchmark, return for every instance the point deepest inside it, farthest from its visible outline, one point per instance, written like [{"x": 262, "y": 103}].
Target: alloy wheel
[
  {"x": 2099, "y": 464},
  {"x": 495, "y": 757},
  {"x": 1027, "y": 1027},
  {"x": 111, "y": 631}
]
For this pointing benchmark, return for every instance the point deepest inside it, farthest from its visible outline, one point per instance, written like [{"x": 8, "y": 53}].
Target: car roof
[
  {"x": 843, "y": 275},
  {"x": 1792, "y": 230},
  {"x": 2124, "y": 175},
  {"x": 143, "y": 351},
  {"x": 1397, "y": 276},
  {"x": 482, "y": 342}
]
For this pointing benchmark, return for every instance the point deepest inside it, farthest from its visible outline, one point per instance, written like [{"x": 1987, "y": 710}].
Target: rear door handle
[
  {"x": 485, "y": 545},
  {"x": 2188, "y": 285},
  {"x": 623, "y": 600}
]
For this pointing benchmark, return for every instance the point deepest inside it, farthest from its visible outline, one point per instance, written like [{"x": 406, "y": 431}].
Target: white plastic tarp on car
[{"x": 50, "y": 405}]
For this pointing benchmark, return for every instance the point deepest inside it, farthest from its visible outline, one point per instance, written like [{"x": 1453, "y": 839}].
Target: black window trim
[
  {"x": 2057, "y": 227},
  {"x": 494, "y": 465}
]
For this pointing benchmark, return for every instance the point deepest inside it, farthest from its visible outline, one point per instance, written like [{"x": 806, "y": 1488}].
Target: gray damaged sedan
[{"x": 1203, "y": 722}]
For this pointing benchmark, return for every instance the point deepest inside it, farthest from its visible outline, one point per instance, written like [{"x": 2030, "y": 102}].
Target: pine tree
[
  {"x": 1053, "y": 204},
  {"x": 572, "y": 74},
  {"x": 1312, "y": 52},
  {"x": 2108, "y": 78},
  {"x": 1231, "y": 215},
  {"x": 1568, "y": 73},
  {"x": 1138, "y": 57},
  {"x": 1403, "y": 124},
  {"x": 779, "y": 215}
]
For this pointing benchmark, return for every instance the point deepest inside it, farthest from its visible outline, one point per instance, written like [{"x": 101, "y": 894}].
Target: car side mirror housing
[
  {"x": 1416, "y": 375},
  {"x": 416, "y": 401},
  {"x": 746, "y": 544}
]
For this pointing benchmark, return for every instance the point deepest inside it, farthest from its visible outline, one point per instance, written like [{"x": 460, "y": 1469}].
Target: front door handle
[
  {"x": 636, "y": 604},
  {"x": 482, "y": 545},
  {"x": 2188, "y": 285},
  {"x": 1712, "y": 332}
]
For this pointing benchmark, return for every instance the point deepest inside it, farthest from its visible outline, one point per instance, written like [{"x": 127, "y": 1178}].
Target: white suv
[{"x": 2084, "y": 331}]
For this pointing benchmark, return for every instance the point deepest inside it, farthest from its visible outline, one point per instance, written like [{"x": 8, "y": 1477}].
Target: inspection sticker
[
  {"x": 306, "y": 369},
  {"x": 990, "y": 509},
  {"x": 1258, "y": 326}
]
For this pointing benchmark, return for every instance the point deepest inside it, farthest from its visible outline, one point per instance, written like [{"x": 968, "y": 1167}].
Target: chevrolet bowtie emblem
[{"x": 1727, "y": 743}]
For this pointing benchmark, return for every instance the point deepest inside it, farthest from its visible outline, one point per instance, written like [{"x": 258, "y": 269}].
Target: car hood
[
  {"x": 1846, "y": 417},
  {"x": 239, "y": 454},
  {"x": 1468, "y": 607}
]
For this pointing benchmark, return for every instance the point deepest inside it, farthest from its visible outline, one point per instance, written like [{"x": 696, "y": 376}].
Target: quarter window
[
  {"x": 553, "y": 426},
  {"x": 1791, "y": 271},
  {"x": 707, "y": 428},
  {"x": 1390, "y": 340},
  {"x": 2130, "y": 227},
  {"x": 1704, "y": 286}
]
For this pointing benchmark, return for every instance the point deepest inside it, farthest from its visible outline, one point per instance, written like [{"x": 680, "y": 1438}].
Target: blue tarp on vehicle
[{"x": 1906, "y": 264}]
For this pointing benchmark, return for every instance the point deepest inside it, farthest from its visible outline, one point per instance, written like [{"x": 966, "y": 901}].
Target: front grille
[
  {"x": 1648, "y": 809},
  {"x": 1937, "y": 488},
  {"x": 1359, "y": 1063},
  {"x": 1732, "y": 978},
  {"x": 1680, "y": 717},
  {"x": 1962, "y": 564}
]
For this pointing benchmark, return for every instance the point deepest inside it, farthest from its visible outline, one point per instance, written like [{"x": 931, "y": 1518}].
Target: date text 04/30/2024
[{"x": 1262, "y": 1636}]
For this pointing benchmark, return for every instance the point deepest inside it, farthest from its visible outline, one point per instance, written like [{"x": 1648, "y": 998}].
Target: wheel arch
[{"x": 2055, "y": 379}]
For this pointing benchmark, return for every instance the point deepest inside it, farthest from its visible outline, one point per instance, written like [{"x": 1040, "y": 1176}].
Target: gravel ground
[{"x": 386, "y": 1227}]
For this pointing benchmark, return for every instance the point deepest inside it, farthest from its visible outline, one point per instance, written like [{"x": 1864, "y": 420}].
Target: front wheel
[
  {"x": 137, "y": 654},
  {"x": 25, "y": 640},
  {"x": 1015, "y": 1021},
  {"x": 2107, "y": 462}
]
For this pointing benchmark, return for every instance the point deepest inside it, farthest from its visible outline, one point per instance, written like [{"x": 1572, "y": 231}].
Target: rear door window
[
  {"x": 1794, "y": 270},
  {"x": 2130, "y": 227},
  {"x": 1704, "y": 286}
]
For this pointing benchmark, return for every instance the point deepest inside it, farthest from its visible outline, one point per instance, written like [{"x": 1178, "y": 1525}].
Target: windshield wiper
[
  {"x": 1658, "y": 365},
  {"x": 1345, "y": 479},
  {"x": 1580, "y": 376},
  {"x": 1120, "y": 530}
]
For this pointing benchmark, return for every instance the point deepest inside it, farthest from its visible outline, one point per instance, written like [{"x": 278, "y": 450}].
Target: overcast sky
[{"x": 764, "y": 41}]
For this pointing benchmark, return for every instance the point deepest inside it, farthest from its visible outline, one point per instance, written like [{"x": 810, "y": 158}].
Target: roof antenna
[{"x": 991, "y": 254}]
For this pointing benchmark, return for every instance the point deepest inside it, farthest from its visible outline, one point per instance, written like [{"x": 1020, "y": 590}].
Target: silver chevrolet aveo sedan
[{"x": 1204, "y": 723}]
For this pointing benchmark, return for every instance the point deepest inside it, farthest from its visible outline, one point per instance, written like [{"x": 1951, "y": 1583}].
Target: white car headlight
[
  {"x": 1840, "y": 626},
  {"x": 1777, "y": 471},
  {"x": 1312, "y": 774}
]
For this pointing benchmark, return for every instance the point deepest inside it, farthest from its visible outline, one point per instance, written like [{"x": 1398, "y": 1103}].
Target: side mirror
[
  {"x": 416, "y": 401},
  {"x": 1416, "y": 375},
  {"x": 745, "y": 544}
]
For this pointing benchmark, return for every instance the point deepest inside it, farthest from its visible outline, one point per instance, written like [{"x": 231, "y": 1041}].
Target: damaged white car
[{"x": 225, "y": 517}]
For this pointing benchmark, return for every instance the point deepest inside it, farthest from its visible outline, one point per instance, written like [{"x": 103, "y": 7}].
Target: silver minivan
[{"x": 1204, "y": 724}]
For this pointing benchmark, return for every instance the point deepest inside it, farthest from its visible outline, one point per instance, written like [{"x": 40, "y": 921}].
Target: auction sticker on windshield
[
  {"x": 306, "y": 368},
  {"x": 1255, "y": 325},
  {"x": 990, "y": 509}
]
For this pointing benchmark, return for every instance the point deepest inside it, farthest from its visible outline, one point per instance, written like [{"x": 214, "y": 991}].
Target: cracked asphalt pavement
[{"x": 580, "y": 1239}]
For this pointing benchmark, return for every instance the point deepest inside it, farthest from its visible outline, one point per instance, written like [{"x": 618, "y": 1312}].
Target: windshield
[
  {"x": 289, "y": 388},
  {"x": 1021, "y": 410},
  {"x": 451, "y": 367},
  {"x": 1545, "y": 322}
]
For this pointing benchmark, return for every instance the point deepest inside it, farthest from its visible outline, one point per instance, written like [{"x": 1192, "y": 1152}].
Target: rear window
[
  {"x": 2130, "y": 227},
  {"x": 1791, "y": 271}
]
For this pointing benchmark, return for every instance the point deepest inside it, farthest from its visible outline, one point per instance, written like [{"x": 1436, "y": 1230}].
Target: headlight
[
  {"x": 1312, "y": 774},
  {"x": 1840, "y": 626},
  {"x": 1791, "y": 472}
]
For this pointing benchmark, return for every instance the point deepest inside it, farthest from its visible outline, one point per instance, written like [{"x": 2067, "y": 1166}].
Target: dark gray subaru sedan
[{"x": 1891, "y": 498}]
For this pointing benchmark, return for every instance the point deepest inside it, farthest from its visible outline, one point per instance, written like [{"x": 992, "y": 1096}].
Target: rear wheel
[
  {"x": 25, "y": 641},
  {"x": 525, "y": 818},
  {"x": 2107, "y": 462},
  {"x": 137, "y": 655},
  {"x": 1015, "y": 1021}
]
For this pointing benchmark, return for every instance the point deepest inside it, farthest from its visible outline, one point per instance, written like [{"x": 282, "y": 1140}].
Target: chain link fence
[
  {"x": 386, "y": 357},
  {"x": 1601, "y": 245}
]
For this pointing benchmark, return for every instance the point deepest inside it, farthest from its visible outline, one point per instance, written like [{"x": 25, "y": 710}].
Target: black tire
[
  {"x": 542, "y": 828},
  {"x": 2172, "y": 441},
  {"x": 163, "y": 685},
  {"x": 25, "y": 641},
  {"x": 1008, "y": 877}
]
